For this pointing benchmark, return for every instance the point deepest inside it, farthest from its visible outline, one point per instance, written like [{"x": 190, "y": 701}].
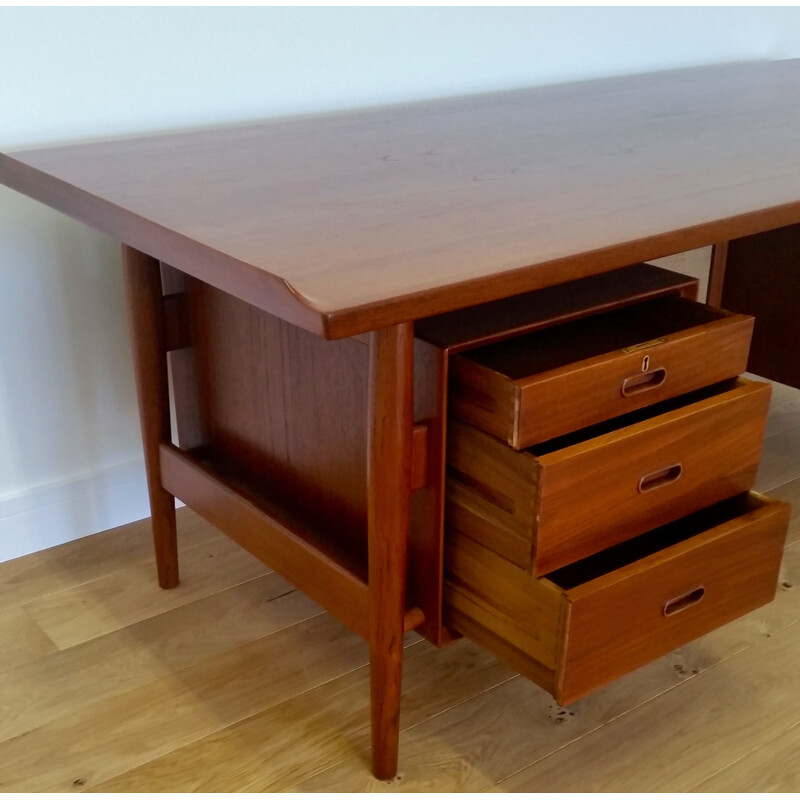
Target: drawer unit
[
  {"x": 544, "y": 384},
  {"x": 563, "y": 500},
  {"x": 587, "y": 624}
]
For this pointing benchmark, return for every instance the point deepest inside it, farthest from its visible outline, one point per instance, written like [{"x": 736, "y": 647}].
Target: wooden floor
[{"x": 234, "y": 681}]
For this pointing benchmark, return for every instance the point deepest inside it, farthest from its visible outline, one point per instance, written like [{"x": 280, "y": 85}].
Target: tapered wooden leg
[
  {"x": 146, "y": 327},
  {"x": 389, "y": 480}
]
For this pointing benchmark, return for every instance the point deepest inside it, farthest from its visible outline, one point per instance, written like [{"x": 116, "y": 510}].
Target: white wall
[{"x": 69, "y": 447}]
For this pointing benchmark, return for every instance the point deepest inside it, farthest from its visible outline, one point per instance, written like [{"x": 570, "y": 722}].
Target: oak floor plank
[
  {"x": 69, "y": 680},
  {"x": 116, "y": 734},
  {"x": 22, "y": 639},
  {"x": 237, "y": 682},
  {"x": 790, "y": 493},
  {"x": 773, "y": 767},
  {"x": 297, "y": 738},
  {"x": 483, "y": 740},
  {"x": 674, "y": 741},
  {"x": 780, "y": 460},
  {"x": 34, "y": 576},
  {"x": 114, "y": 601},
  {"x": 784, "y": 411}
]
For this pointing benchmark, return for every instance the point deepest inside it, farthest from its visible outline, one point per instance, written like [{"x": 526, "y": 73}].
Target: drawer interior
[
  {"x": 647, "y": 544},
  {"x": 564, "y": 344}
]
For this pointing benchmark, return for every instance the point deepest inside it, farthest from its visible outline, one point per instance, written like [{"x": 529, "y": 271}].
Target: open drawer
[
  {"x": 596, "y": 620},
  {"x": 563, "y": 500},
  {"x": 544, "y": 384}
]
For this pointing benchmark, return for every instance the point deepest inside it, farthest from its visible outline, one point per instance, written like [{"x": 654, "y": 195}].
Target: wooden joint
[
  {"x": 177, "y": 332},
  {"x": 419, "y": 457},
  {"x": 291, "y": 551},
  {"x": 413, "y": 619}
]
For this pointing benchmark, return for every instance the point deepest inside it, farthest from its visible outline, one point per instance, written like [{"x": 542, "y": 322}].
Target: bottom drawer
[{"x": 591, "y": 622}]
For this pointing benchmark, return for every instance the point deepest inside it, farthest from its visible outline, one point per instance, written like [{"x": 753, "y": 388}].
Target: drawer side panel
[{"x": 618, "y": 622}]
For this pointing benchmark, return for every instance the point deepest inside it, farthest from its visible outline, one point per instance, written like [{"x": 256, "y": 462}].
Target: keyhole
[{"x": 645, "y": 363}]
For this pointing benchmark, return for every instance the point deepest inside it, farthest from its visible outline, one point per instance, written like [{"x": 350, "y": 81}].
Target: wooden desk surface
[{"x": 346, "y": 222}]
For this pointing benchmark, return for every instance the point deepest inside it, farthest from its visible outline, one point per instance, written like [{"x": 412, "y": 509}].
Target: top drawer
[{"x": 535, "y": 387}]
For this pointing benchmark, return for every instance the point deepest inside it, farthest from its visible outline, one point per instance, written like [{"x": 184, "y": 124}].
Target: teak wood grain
[
  {"x": 305, "y": 451},
  {"x": 545, "y": 508},
  {"x": 284, "y": 413},
  {"x": 487, "y": 323},
  {"x": 439, "y": 338},
  {"x": 143, "y": 291},
  {"x": 545, "y": 384},
  {"x": 512, "y": 191},
  {"x": 590, "y": 623},
  {"x": 741, "y": 273},
  {"x": 735, "y": 566},
  {"x": 300, "y": 559},
  {"x": 391, "y": 414}
]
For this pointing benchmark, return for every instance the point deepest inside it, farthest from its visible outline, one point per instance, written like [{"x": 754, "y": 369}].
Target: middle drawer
[{"x": 565, "y": 499}]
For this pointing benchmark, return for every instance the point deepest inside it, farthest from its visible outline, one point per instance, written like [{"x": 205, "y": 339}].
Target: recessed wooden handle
[
  {"x": 643, "y": 381},
  {"x": 662, "y": 477},
  {"x": 684, "y": 601}
]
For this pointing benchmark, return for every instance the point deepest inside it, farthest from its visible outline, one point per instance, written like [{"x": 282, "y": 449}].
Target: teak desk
[{"x": 351, "y": 227}]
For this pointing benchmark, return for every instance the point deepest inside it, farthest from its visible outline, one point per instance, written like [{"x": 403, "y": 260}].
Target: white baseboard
[{"x": 59, "y": 512}]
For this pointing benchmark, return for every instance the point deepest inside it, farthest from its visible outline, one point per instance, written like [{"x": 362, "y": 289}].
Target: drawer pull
[
  {"x": 643, "y": 381},
  {"x": 684, "y": 601},
  {"x": 664, "y": 477}
]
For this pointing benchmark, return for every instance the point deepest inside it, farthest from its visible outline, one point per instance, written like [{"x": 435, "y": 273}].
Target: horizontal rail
[{"x": 285, "y": 550}]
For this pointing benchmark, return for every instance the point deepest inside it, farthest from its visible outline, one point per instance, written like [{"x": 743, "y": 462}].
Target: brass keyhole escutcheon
[{"x": 645, "y": 363}]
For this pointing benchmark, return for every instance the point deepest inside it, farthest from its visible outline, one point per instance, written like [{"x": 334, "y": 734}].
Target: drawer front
[
  {"x": 523, "y": 410},
  {"x": 603, "y": 491},
  {"x": 623, "y": 620},
  {"x": 544, "y": 511},
  {"x": 589, "y": 623}
]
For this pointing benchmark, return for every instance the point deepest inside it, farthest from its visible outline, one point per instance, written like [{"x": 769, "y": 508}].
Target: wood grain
[
  {"x": 391, "y": 415},
  {"x": 753, "y": 263},
  {"x": 480, "y": 742},
  {"x": 37, "y": 575},
  {"x": 657, "y": 757},
  {"x": 553, "y": 381},
  {"x": 335, "y": 728},
  {"x": 143, "y": 295},
  {"x": 62, "y": 684},
  {"x": 514, "y": 316},
  {"x": 23, "y": 640},
  {"x": 284, "y": 415},
  {"x": 112, "y": 602},
  {"x": 601, "y": 617},
  {"x": 426, "y": 511},
  {"x": 773, "y": 767},
  {"x": 270, "y": 537},
  {"x": 510, "y": 191},
  {"x": 485, "y": 735},
  {"x": 790, "y": 493},
  {"x": 543, "y": 508},
  {"x": 734, "y": 566},
  {"x": 113, "y": 734},
  {"x": 779, "y": 463}
]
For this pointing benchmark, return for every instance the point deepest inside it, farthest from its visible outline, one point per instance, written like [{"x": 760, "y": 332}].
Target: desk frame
[
  {"x": 512, "y": 192},
  {"x": 375, "y": 609}
]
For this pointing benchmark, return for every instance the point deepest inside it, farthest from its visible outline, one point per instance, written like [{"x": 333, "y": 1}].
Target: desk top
[{"x": 343, "y": 223}]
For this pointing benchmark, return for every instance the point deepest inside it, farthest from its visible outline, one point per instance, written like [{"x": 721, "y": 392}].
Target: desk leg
[
  {"x": 146, "y": 327},
  {"x": 759, "y": 275},
  {"x": 389, "y": 485}
]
